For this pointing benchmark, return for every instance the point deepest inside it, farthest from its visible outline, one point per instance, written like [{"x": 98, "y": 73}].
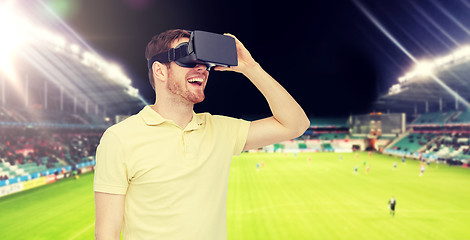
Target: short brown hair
[{"x": 161, "y": 43}]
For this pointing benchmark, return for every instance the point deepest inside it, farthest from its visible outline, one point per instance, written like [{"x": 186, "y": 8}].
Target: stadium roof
[
  {"x": 40, "y": 47},
  {"x": 441, "y": 84}
]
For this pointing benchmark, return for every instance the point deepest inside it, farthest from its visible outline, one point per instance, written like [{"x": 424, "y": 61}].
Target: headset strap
[{"x": 170, "y": 55}]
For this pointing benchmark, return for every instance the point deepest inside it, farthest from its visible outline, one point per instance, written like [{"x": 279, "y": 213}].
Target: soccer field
[{"x": 288, "y": 197}]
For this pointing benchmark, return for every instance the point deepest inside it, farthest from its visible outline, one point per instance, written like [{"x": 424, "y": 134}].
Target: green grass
[
  {"x": 63, "y": 210},
  {"x": 288, "y": 198}
]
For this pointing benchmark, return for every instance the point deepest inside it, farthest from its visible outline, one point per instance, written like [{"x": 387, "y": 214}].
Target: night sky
[{"x": 327, "y": 54}]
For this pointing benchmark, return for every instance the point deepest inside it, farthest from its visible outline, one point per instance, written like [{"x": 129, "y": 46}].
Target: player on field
[
  {"x": 421, "y": 170},
  {"x": 392, "y": 202}
]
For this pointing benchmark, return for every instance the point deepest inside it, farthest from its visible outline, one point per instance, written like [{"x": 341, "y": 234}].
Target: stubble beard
[{"x": 182, "y": 93}]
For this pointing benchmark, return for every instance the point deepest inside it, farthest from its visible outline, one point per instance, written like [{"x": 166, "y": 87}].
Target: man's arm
[
  {"x": 288, "y": 121},
  {"x": 109, "y": 214}
]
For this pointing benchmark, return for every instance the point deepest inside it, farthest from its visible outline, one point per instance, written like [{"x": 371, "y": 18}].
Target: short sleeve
[
  {"x": 242, "y": 135},
  {"x": 110, "y": 170}
]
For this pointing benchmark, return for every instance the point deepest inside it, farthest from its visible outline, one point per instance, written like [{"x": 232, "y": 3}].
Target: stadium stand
[
  {"x": 327, "y": 129},
  {"x": 434, "y": 136},
  {"x": 324, "y": 134},
  {"x": 29, "y": 151},
  {"x": 461, "y": 117},
  {"x": 437, "y": 137},
  {"x": 329, "y": 122},
  {"x": 435, "y": 118},
  {"x": 32, "y": 117},
  {"x": 412, "y": 142}
]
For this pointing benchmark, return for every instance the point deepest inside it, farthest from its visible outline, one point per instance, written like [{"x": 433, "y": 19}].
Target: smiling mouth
[{"x": 196, "y": 81}]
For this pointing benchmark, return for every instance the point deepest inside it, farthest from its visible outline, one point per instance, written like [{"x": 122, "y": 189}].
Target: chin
[{"x": 197, "y": 99}]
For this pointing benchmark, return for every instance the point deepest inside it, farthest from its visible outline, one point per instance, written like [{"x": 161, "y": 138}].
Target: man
[
  {"x": 392, "y": 202},
  {"x": 421, "y": 169},
  {"x": 163, "y": 173}
]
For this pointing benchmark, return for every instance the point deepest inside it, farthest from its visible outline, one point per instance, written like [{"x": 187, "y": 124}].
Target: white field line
[{"x": 82, "y": 231}]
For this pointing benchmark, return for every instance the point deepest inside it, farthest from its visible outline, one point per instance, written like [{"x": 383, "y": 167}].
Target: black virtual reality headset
[{"x": 205, "y": 48}]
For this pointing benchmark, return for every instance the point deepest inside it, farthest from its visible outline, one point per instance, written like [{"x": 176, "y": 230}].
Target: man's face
[{"x": 188, "y": 84}]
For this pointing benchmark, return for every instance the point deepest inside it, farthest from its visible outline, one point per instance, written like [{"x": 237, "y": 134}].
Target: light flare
[
  {"x": 12, "y": 29},
  {"x": 426, "y": 68}
]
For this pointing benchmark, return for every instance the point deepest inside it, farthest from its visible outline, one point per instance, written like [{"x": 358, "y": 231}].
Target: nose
[{"x": 201, "y": 68}]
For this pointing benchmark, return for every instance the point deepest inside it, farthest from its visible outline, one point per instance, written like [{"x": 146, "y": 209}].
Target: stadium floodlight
[
  {"x": 461, "y": 53},
  {"x": 407, "y": 77},
  {"x": 424, "y": 68},
  {"x": 441, "y": 61},
  {"x": 396, "y": 88},
  {"x": 133, "y": 92},
  {"x": 25, "y": 39},
  {"x": 12, "y": 27},
  {"x": 75, "y": 49}
]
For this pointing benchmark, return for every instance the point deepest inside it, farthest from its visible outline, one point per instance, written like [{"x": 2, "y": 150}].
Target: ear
[{"x": 160, "y": 71}]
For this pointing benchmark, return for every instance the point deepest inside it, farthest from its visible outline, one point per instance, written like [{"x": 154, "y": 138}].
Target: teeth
[{"x": 195, "y": 80}]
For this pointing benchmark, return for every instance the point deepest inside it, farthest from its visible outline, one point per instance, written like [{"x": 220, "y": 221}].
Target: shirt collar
[
  {"x": 195, "y": 123},
  {"x": 151, "y": 117}
]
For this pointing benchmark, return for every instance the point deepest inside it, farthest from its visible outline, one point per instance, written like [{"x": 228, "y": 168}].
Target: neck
[{"x": 181, "y": 114}]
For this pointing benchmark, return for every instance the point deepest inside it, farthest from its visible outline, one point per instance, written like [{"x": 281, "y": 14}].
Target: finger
[
  {"x": 230, "y": 35},
  {"x": 236, "y": 39},
  {"x": 220, "y": 68}
]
